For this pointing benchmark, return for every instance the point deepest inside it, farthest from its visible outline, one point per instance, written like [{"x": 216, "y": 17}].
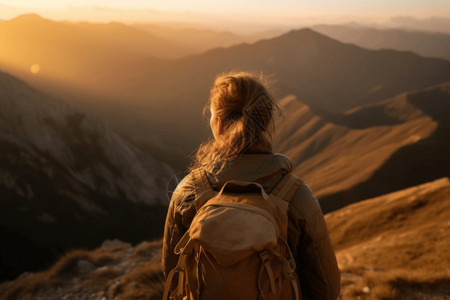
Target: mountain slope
[
  {"x": 371, "y": 150},
  {"x": 423, "y": 43},
  {"x": 66, "y": 181},
  {"x": 395, "y": 246}
]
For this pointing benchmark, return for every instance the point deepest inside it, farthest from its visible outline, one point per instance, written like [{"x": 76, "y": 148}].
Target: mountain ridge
[
  {"x": 344, "y": 160},
  {"x": 273, "y": 54}
]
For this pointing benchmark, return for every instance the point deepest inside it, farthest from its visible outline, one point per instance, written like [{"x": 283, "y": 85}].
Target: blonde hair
[{"x": 246, "y": 110}]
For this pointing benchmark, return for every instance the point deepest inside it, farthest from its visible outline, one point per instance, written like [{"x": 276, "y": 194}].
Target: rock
[
  {"x": 114, "y": 243},
  {"x": 84, "y": 266}
]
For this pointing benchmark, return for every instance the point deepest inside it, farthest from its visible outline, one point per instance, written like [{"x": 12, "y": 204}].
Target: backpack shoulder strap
[
  {"x": 287, "y": 186},
  {"x": 203, "y": 189},
  {"x": 200, "y": 179}
]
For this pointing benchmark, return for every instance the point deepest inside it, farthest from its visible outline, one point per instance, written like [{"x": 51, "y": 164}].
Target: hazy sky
[
  {"x": 234, "y": 5},
  {"x": 274, "y": 12}
]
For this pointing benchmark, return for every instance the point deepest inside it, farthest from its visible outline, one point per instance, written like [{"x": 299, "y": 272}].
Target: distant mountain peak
[
  {"x": 305, "y": 35},
  {"x": 304, "y": 32},
  {"x": 28, "y": 17}
]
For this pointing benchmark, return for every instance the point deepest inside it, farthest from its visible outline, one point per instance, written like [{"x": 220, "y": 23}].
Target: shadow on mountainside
[
  {"x": 434, "y": 102},
  {"x": 413, "y": 164},
  {"x": 431, "y": 161}
]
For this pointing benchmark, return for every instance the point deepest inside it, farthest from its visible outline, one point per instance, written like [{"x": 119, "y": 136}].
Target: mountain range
[
  {"x": 300, "y": 61},
  {"x": 75, "y": 53},
  {"x": 326, "y": 75},
  {"x": 429, "y": 44},
  {"x": 157, "y": 102}
]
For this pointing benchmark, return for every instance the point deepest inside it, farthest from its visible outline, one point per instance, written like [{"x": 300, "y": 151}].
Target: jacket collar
[{"x": 266, "y": 169}]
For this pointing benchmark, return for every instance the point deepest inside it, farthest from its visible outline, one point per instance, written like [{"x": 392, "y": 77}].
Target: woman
[{"x": 242, "y": 119}]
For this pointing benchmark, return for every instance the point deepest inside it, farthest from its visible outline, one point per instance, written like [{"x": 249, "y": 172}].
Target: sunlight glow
[{"x": 35, "y": 68}]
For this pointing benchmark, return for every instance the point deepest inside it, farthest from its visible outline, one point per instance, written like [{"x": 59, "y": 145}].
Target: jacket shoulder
[
  {"x": 305, "y": 209},
  {"x": 304, "y": 203},
  {"x": 184, "y": 191}
]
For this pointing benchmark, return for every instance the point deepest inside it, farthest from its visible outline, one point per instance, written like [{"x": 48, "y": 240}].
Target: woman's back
[{"x": 307, "y": 233}]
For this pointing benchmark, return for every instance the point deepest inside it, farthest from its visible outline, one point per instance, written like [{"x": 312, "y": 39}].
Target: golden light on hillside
[{"x": 35, "y": 68}]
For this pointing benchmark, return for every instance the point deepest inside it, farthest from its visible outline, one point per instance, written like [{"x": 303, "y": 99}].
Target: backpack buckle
[{"x": 264, "y": 255}]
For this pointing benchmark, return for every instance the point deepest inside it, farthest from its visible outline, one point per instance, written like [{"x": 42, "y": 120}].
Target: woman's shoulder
[
  {"x": 304, "y": 202},
  {"x": 184, "y": 190}
]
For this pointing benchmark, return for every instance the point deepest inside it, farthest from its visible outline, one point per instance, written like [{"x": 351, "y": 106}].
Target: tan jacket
[{"x": 307, "y": 232}]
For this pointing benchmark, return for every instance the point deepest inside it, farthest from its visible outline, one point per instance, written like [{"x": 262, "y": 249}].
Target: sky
[{"x": 273, "y": 12}]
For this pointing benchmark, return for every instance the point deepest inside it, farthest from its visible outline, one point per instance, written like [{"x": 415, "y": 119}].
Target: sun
[{"x": 35, "y": 68}]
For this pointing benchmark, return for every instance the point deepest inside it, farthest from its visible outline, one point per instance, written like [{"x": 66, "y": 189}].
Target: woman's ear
[
  {"x": 219, "y": 126},
  {"x": 216, "y": 124}
]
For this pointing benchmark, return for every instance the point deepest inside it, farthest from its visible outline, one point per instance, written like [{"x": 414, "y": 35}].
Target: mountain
[
  {"x": 193, "y": 40},
  {"x": 427, "y": 44},
  {"x": 370, "y": 150},
  {"x": 390, "y": 247},
  {"x": 67, "y": 181},
  {"x": 395, "y": 246}
]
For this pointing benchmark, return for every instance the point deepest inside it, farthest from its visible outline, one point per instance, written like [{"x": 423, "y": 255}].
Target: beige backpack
[{"x": 236, "y": 245}]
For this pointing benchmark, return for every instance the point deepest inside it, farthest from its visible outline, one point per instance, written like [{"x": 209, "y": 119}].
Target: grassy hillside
[{"x": 395, "y": 246}]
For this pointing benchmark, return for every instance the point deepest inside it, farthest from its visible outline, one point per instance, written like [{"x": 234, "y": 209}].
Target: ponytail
[{"x": 246, "y": 111}]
